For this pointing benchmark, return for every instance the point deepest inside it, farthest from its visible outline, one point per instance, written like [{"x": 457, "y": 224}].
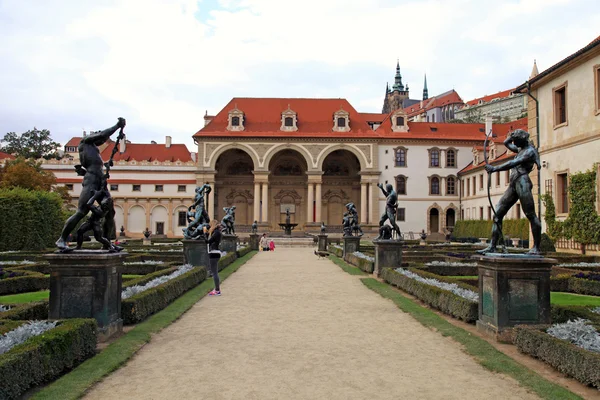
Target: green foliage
[
  {"x": 546, "y": 244},
  {"x": 34, "y": 143},
  {"x": 584, "y": 286},
  {"x": 443, "y": 300},
  {"x": 27, "y": 312},
  {"x": 27, "y": 281},
  {"x": 568, "y": 299},
  {"x": 569, "y": 359},
  {"x": 583, "y": 222},
  {"x": 553, "y": 227},
  {"x": 26, "y": 174},
  {"x": 29, "y": 220},
  {"x": 148, "y": 277},
  {"x": 479, "y": 228},
  {"x": 45, "y": 357}
]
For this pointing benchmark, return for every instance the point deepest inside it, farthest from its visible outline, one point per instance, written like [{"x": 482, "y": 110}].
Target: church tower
[
  {"x": 394, "y": 98},
  {"x": 425, "y": 91}
]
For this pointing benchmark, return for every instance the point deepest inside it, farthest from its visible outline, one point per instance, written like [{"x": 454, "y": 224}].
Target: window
[
  {"x": 401, "y": 214},
  {"x": 497, "y": 179},
  {"x": 114, "y": 188},
  {"x": 489, "y": 212},
  {"x": 434, "y": 158},
  {"x": 235, "y": 121},
  {"x": 289, "y": 121},
  {"x": 433, "y": 118},
  {"x": 597, "y": 86},
  {"x": 450, "y": 186},
  {"x": 481, "y": 182},
  {"x": 158, "y": 188},
  {"x": 341, "y": 122},
  {"x": 462, "y": 188},
  {"x": 181, "y": 188},
  {"x": 480, "y": 212},
  {"x": 181, "y": 220},
  {"x": 137, "y": 188},
  {"x": 506, "y": 178},
  {"x": 474, "y": 187},
  {"x": 450, "y": 158},
  {"x": 562, "y": 193},
  {"x": 435, "y": 185},
  {"x": 400, "y": 157},
  {"x": 69, "y": 186},
  {"x": 462, "y": 214},
  {"x": 548, "y": 185},
  {"x": 399, "y": 121},
  {"x": 518, "y": 207},
  {"x": 560, "y": 105},
  {"x": 468, "y": 187},
  {"x": 401, "y": 184}
]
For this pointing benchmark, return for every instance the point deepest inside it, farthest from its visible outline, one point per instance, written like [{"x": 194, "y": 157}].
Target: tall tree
[
  {"x": 34, "y": 143},
  {"x": 26, "y": 174}
]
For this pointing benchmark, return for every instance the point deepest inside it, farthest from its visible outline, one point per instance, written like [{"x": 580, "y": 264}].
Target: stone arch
[
  {"x": 119, "y": 218},
  {"x": 450, "y": 215},
  {"x": 233, "y": 146},
  {"x": 287, "y": 146},
  {"x": 136, "y": 219},
  {"x": 159, "y": 214},
  {"x": 359, "y": 155},
  {"x": 175, "y": 219},
  {"x": 433, "y": 211}
]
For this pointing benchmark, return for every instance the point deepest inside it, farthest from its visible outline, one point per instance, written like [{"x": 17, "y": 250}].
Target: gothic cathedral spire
[
  {"x": 398, "y": 79},
  {"x": 425, "y": 91}
]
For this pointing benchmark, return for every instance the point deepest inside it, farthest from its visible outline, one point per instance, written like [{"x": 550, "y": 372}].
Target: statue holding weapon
[
  {"x": 519, "y": 188},
  {"x": 391, "y": 205},
  {"x": 200, "y": 215}
]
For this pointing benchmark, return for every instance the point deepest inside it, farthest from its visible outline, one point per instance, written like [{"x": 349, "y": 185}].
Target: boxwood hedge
[
  {"x": 28, "y": 281},
  {"x": 361, "y": 263},
  {"x": 29, "y": 311},
  {"x": 45, "y": 357}
]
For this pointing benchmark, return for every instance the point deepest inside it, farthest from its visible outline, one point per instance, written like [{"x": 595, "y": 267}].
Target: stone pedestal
[
  {"x": 254, "y": 241},
  {"x": 388, "y": 254},
  {"x": 146, "y": 242},
  {"x": 322, "y": 243},
  {"x": 228, "y": 243},
  {"x": 351, "y": 244},
  {"x": 513, "y": 290},
  {"x": 195, "y": 252},
  {"x": 87, "y": 284}
]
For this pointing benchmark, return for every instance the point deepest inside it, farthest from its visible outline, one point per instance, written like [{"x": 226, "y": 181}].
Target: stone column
[
  {"x": 372, "y": 201},
  {"x": 265, "y": 202},
  {"x": 256, "y": 201},
  {"x": 309, "y": 203},
  {"x": 318, "y": 202},
  {"x": 211, "y": 202},
  {"x": 363, "y": 203}
]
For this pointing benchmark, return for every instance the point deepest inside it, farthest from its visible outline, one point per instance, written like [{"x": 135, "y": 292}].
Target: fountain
[{"x": 287, "y": 227}]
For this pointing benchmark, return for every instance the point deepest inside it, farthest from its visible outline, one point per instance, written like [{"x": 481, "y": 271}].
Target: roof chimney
[
  {"x": 168, "y": 141},
  {"x": 488, "y": 125},
  {"x": 207, "y": 118},
  {"x": 122, "y": 145}
]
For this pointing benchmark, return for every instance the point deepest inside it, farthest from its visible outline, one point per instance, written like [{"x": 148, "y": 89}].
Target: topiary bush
[
  {"x": 27, "y": 312},
  {"x": 26, "y": 281},
  {"x": 546, "y": 244},
  {"x": 26, "y": 209},
  {"x": 478, "y": 228}
]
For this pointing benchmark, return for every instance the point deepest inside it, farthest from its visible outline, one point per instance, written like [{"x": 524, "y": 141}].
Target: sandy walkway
[{"x": 291, "y": 327}]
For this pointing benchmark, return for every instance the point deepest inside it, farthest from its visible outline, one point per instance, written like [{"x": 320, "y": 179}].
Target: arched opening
[
  {"x": 119, "y": 218},
  {"x": 434, "y": 220},
  {"x": 234, "y": 186},
  {"x": 341, "y": 185},
  {"x": 288, "y": 185},
  {"x": 158, "y": 220},
  {"x": 179, "y": 221},
  {"x": 450, "y": 218},
  {"x": 136, "y": 221}
]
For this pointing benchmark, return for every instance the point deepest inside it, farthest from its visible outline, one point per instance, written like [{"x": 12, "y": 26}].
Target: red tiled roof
[
  {"x": 373, "y": 117},
  {"x": 262, "y": 118},
  {"x": 505, "y": 156},
  {"x": 6, "y": 156},
  {"x": 488, "y": 98},
  {"x": 150, "y": 152},
  {"x": 74, "y": 142},
  {"x": 450, "y": 97},
  {"x": 134, "y": 181}
]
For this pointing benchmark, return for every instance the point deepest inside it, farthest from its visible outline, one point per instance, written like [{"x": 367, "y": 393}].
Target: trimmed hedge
[
  {"x": 477, "y": 228},
  {"x": 40, "y": 267},
  {"x": 21, "y": 211},
  {"x": 7, "y": 326},
  {"x": 441, "y": 278},
  {"x": 29, "y": 311},
  {"x": 569, "y": 359},
  {"x": 443, "y": 300},
  {"x": 28, "y": 282},
  {"x": 139, "y": 307},
  {"x": 45, "y": 357},
  {"x": 361, "y": 263},
  {"x": 243, "y": 251},
  {"x": 584, "y": 286},
  {"x": 336, "y": 251},
  {"x": 145, "y": 269},
  {"x": 142, "y": 280},
  {"x": 559, "y": 283},
  {"x": 446, "y": 270}
]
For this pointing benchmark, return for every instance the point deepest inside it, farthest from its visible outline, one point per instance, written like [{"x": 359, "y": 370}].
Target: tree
[
  {"x": 553, "y": 226},
  {"x": 31, "y": 144},
  {"x": 27, "y": 174},
  {"x": 583, "y": 222}
]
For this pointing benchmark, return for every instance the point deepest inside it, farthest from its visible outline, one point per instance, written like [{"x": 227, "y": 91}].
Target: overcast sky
[{"x": 73, "y": 65}]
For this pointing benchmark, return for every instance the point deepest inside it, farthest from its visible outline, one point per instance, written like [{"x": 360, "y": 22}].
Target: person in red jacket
[{"x": 271, "y": 245}]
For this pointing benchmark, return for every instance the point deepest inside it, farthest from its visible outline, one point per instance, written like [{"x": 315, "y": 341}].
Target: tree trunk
[{"x": 582, "y": 248}]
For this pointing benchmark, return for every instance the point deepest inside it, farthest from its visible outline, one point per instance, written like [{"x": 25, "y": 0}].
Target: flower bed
[
  {"x": 452, "y": 268},
  {"x": 468, "y": 284},
  {"x": 11, "y": 263},
  {"x": 24, "y": 332},
  {"x": 462, "y": 291},
  {"x": 443, "y": 300},
  {"x": 145, "y": 262},
  {"x": 45, "y": 357},
  {"x": 583, "y": 266},
  {"x": 24, "y": 281},
  {"x": 132, "y": 290},
  {"x": 364, "y": 262},
  {"x": 149, "y": 277},
  {"x": 584, "y": 285}
]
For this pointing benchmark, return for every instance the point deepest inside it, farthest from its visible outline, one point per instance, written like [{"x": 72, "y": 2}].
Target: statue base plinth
[
  {"x": 228, "y": 243},
  {"x": 87, "y": 284},
  {"x": 512, "y": 291},
  {"x": 146, "y": 242},
  {"x": 388, "y": 254},
  {"x": 322, "y": 242},
  {"x": 195, "y": 252},
  {"x": 351, "y": 244},
  {"x": 254, "y": 240}
]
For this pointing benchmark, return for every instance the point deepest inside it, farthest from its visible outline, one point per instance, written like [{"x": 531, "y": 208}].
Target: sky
[{"x": 72, "y": 65}]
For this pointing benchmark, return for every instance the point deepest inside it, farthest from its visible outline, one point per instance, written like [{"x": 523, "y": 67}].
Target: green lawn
[
  {"x": 571, "y": 299},
  {"x": 126, "y": 276},
  {"x": 463, "y": 277},
  {"x": 24, "y": 297}
]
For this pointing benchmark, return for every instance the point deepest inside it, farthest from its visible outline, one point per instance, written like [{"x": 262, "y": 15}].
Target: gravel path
[{"x": 289, "y": 326}]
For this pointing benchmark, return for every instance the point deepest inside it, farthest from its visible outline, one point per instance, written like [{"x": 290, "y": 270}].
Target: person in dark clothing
[{"x": 214, "y": 254}]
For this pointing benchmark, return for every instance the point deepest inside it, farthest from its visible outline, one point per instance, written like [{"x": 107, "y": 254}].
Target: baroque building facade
[{"x": 505, "y": 106}]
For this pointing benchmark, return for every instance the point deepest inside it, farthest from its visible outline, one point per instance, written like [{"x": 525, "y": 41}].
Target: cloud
[{"x": 71, "y": 65}]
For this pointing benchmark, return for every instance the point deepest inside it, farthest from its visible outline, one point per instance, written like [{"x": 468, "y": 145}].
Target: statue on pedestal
[
  {"x": 255, "y": 227},
  {"x": 350, "y": 221},
  {"x": 288, "y": 219},
  {"x": 323, "y": 227},
  {"x": 147, "y": 233},
  {"x": 199, "y": 216},
  {"x": 391, "y": 205},
  {"x": 519, "y": 188},
  {"x": 228, "y": 220},
  {"x": 94, "y": 187}
]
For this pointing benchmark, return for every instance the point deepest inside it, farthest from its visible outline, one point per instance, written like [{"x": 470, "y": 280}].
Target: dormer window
[
  {"x": 236, "y": 120},
  {"x": 475, "y": 156},
  {"x": 399, "y": 121},
  {"x": 289, "y": 120},
  {"x": 341, "y": 121}
]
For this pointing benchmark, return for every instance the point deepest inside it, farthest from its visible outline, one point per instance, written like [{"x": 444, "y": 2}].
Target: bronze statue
[
  {"x": 323, "y": 227},
  {"x": 288, "y": 219},
  {"x": 255, "y": 227},
  {"x": 199, "y": 216},
  {"x": 94, "y": 222},
  {"x": 519, "y": 188},
  {"x": 94, "y": 181},
  {"x": 228, "y": 220},
  {"x": 391, "y": 206},
  {"x": 356, "y": 229}
]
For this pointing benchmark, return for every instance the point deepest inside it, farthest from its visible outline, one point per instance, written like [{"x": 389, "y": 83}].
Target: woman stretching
[{"x": 214, "y": 254}]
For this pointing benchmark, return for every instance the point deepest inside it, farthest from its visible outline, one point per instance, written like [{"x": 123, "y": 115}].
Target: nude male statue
[
  {"x": 391, "y": 205},
  {"x": 92, "y": 169}
]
